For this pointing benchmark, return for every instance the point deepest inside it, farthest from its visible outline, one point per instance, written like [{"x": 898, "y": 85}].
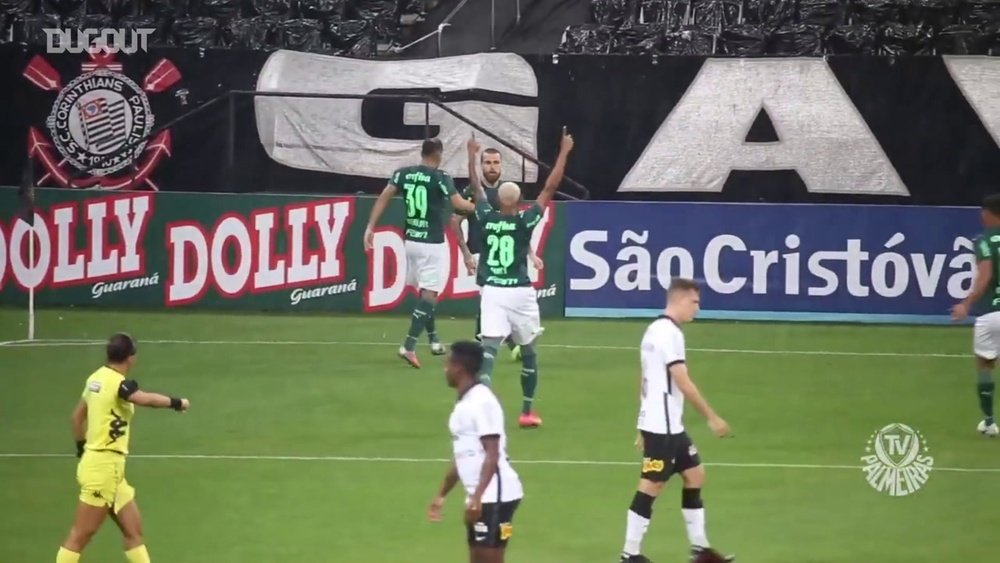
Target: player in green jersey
[
  {"x": 470, "y": 247},
  {"x": 427, "y": 191},
  {"x": 508, "y": 303},
  {"x": 986, "y": 294}
]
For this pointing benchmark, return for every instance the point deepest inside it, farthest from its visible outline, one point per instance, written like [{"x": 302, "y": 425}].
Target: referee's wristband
[
  {"x": 79, "y": 447},
  {"x": 175, "y": 403}
]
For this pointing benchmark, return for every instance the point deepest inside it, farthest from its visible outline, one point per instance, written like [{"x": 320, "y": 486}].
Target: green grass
[{"x": 327, "y": 399}]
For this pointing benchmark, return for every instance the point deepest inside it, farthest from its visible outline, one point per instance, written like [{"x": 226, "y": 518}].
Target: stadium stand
[
  {"x": 787, "y": 27},
  {"x": 367, "y": 28},
  {"x": 350, "y": 27}
]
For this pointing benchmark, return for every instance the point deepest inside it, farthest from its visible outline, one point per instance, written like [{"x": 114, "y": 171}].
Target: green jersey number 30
[
  {"x": 416, "y": 201},
  {"x": 501, "y": 251}
]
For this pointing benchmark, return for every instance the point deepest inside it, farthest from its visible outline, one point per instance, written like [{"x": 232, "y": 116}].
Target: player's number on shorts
[
  {"x": 416, "y": 201},
  {"x": 501, "y": 251}
]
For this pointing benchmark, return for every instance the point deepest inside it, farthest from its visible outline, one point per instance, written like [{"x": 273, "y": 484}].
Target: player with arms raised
[
  {"x": 102, "y": 426},
  {"x": 426, "y": 191},
  {"x": 471, "y": 246},
  {"x": 666, "y": 447},
  {"x": 508, "y": 303},
  {"x": 479, "y": 447},
  {"x": 986, "y": 335}
]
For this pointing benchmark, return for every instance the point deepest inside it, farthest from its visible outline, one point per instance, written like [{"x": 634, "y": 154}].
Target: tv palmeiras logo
[
  {"x": 97, "y": 124},
  {"x": 896, "y": 460}
]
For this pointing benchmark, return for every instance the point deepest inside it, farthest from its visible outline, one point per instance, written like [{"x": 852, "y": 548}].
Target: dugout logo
[
  {"x": 97, "y": 124},
  {"x": 896, "y": 460}
]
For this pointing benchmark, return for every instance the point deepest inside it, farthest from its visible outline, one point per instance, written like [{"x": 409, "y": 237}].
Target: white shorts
[
  {"x": 426, "y": 264},
  {"x": 986, "y": 336},
  {"x": 510, "y": 311}
]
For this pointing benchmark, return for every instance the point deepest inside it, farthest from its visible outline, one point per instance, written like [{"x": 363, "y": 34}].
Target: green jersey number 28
[
  {"x": 501, "y": 251},
  {"x": 416, "y": 201}
]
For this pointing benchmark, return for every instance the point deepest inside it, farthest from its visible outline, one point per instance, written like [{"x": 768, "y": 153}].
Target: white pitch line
[
  {"x": 446, "y": 460},
  {"x": 58, "y": 343}
]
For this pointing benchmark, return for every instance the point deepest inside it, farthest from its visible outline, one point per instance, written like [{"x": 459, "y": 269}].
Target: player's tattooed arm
[
  {"x": 463, "y": 246},
  {"x": 556, "y": 176},
  {"x": 450, "y": 479},
  {"x": 377, "y": 210},
  {"x": 680, "y": 377},
  {"x": 475, "y": 185}
]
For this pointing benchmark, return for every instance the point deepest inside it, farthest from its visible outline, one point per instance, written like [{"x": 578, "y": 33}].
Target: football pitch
[{"x": 309, "y": 441}]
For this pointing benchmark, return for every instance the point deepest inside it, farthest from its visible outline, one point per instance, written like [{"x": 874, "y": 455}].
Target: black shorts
[
  {"x": 666, "y": 454},
  {"x": 495, "y": 526}
]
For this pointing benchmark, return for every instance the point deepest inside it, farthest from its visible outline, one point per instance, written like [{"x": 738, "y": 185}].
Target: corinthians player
[
  {"x": 667, "y": 448},
  {"x": 492, "y": 487}
]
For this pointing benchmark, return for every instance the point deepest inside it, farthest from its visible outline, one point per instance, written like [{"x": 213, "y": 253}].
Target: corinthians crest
[{"x": 97, "y": 128}]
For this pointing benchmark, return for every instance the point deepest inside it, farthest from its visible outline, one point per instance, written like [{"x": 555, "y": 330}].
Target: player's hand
[
  {"x": 473, "y": 510},
  {"x": 369, "y": 239},
  {"x": 566, "y": 144},
  {"x": 470, "y": 264},
  {"x": 959, "y": 312},
  {"x": 537, "y": 262},
  {"x": 434, "y": 510},
  {"x": 473, "y": 146},
  {"x": 639, "y": 442},
  {"x": 718, "y": 426}
]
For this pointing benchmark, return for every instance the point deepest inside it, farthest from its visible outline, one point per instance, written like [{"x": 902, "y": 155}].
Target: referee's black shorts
[{"x": 666, "y": 454}]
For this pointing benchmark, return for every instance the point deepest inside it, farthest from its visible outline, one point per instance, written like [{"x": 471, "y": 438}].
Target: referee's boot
[
  {"x": 709, "y": 555},
  {"x": 634, "y": 559}
]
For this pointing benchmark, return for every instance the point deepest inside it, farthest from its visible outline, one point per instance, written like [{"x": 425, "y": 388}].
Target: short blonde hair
[{"x": 509, "y": 192}]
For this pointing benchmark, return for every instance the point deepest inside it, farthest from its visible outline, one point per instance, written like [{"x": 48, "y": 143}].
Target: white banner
[{"x": 328, "y": 135}]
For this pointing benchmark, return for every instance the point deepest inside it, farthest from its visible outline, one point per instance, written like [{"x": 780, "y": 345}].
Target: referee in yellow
[{"x": 105, "y": 411}]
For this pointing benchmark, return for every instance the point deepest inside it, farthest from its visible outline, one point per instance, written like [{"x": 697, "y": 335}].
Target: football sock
[
  {"x": 637, "y": 522},
  {"x": 694, "y": 517},
  {"x": 432, "y": 335},
  {"x": 985, "y": 387},
  {"x": 418, "y": 321},
  {"x": 67, "y": 556},
  {"x": 137, "y": 555},
  {"x": 510, "y": 344},
  {"x": 479, "y": 326},
  {"x": 529, "y": 376},
  {"x": 490, "y": 347}
]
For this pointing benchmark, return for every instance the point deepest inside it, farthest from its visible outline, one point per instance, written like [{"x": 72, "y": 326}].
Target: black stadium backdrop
[{"x": 936, "y": 144}]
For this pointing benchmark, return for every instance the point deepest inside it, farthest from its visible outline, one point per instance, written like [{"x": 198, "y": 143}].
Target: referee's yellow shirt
[{"x": 109, "y": 416}]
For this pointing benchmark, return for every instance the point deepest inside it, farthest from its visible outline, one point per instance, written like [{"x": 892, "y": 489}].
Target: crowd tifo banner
[
  {"x": 266, "y": 252},
  {"x": 867, "y": 263},
  {"x": 909, "y": 130}
]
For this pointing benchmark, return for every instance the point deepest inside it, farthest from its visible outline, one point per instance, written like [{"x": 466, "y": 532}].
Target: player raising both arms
[
  {"x": 666, "y": 447},
  {"x": 490, "y": 181},
  {"x": 426, "y": 189},
  {"x": 102, "y": 427},
  {"x": 493, "y": 489},
  {"x": 508, "y": 303},
  {"x": 986, "y": 335}
]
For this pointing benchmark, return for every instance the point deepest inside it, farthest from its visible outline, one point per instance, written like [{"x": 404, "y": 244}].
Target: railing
[
  {"x": 446, "y": 23},
  {"x": 581, "y": 192}
]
